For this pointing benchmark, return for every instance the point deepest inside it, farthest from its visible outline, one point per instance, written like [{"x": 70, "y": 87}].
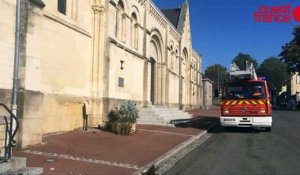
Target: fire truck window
[
  {"x": 257, "y": 91},
  {"x": 246, "y": 90}
]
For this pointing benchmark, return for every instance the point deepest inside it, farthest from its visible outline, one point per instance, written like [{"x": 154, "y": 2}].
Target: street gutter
[{"x": 169, "y": 159}]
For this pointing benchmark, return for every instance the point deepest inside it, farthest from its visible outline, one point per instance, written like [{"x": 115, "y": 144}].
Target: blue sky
[{"x": 221, "y": 29}]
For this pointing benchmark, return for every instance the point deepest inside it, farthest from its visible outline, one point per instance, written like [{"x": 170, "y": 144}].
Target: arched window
[
  {"x": 184, "y": 68},
  {"x": 62, "y": 6},
  {"x": 120, "y": 21},
  {"x": 171, "y": 66},
  {"x": 134, "y": 31},
  {"x": 173, "y": 61},
  {"x": 176, "y": 62}
]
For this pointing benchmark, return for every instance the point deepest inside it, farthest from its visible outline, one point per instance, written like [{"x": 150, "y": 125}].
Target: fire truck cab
[{"x": 246, "y": 100}]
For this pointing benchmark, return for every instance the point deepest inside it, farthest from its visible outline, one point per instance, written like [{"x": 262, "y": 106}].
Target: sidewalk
[{"x": 102, "y": 153}]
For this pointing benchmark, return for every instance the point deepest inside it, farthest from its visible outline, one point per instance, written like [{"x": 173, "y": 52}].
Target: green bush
[{"x": 120, "y": 120}]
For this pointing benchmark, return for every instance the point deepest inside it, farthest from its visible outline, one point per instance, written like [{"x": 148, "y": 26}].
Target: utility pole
[
  {"x": 218, "y": 86},
  {"x": 180, "y": 76}
]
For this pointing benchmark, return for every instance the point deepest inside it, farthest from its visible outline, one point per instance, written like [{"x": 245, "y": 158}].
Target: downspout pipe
[
  {"x": 180, "y": 76},
  {"x": 15, "y": 89}
]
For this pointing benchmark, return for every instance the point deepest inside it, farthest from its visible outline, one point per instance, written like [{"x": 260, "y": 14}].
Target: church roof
[{"x": 172, "y": 15}]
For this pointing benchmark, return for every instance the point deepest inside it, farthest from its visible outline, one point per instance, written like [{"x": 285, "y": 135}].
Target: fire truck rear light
[
  {"x": 262, "y": 110},
  {"x": 226, "y": 111}
]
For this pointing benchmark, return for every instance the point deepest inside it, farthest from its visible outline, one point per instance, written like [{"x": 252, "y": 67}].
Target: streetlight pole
[{"x": 218, "y": 82}]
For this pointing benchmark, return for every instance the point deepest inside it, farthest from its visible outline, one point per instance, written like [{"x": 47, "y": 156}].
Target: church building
[{"x": 102, "y": 51}]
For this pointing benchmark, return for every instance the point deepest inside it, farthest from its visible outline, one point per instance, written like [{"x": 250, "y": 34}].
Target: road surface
[{"x": 248, "y": 151}]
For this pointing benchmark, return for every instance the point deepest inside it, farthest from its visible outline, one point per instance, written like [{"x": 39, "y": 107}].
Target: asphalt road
[{"x": 247, "y": 151}]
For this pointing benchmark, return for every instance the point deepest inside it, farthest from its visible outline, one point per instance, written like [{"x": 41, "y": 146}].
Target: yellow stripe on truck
[
  {"x": 247, "y": 102},
  {"x": 260, "y": 102},
  {"x": 234, "y": 102},
  {"x": 254, "y": 102},
  {"x": 241, "y": 102},
  {"x": 227, "y": 103}
]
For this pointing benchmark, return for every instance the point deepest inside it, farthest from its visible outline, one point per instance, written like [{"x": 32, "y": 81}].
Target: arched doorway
[
  {"x": 155, "y": 70},
  {"x": 152, "y": 80}
]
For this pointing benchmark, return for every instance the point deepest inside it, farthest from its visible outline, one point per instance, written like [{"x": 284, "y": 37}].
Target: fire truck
[{"x": 246, "y": 100}]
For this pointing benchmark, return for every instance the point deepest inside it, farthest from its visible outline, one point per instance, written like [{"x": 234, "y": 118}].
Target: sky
[{"x": 223, "y": 28}]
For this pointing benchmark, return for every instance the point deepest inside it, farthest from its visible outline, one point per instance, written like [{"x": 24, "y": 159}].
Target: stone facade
[
  {"x": 295, "y": 84},
  {"x": 104, "y": 51}
]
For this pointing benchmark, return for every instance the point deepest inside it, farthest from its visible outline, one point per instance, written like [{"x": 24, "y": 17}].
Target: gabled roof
[
  {"x": 172, "y": 15},
  {"x": 177, "y": 16}
]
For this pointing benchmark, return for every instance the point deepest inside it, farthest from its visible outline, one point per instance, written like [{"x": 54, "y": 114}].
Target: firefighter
[{"x": 257, "y": 91}]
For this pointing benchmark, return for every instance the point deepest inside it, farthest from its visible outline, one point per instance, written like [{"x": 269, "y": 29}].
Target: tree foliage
[
  {"x": 215, "y": 71},
  {"x": 275, "y": 72},
  {"x": 241, "y": 58},
  {"x": 290, "y": 53}
]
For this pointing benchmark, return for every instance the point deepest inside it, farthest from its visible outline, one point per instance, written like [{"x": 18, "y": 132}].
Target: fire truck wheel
[{"x": 268, "y": 129}]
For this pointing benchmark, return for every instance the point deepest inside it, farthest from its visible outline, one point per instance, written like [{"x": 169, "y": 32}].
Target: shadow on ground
[
  {"x": 241, "y": 130},
  {"x": 280, "y": 108},
  {"x": 203, "y": 123},
  {"x": 206, "y": 123}
]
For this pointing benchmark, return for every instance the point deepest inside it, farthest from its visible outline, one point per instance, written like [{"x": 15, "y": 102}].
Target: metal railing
[{"x": 9, "y": 126}]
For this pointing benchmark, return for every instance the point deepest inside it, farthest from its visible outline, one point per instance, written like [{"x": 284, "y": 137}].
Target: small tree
[
  {"x": 276, "y": 74},
  {"x": 290, "y": 54},
  {"x": 218, "y": 74},
  {"x": 241, "y": 58},
  {"x": 275, "y": 71}
]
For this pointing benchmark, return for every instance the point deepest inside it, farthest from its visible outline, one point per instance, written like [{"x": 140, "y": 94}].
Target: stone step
[
  {"x": 174, "y": 116},
  {"x": 16, "y": 166},
  {"x": 157, "y": 109},
  {"x": 171, "y": 115},
  {"x": 160, "y": 111},
  {"x": 157, "y": 124},
  {"x": 146, "y": 113},
  {"x": 26, "y": 171},
  {"x": 13, "y": 164},
  {"x": 158, "y": 115},
  {"x": 150, "y": 121}
]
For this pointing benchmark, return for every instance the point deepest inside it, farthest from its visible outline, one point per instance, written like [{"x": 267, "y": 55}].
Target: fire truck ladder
[{"x": 249, "y": 72}]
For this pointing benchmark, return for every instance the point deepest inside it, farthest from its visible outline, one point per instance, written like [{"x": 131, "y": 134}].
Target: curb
[{"x": 158, "y": 164}]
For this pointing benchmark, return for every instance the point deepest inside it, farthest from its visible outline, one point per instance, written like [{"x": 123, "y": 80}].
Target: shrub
[
  {"x": 120, "y": 120},
  {"x": 129, "y": 112}
]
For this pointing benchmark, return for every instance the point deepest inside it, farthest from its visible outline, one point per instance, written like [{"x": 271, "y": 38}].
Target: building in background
[
  {"x": 103, "y": 51},
  {"x": 207, "y": 93},
  {"x": 295, "y": 84}
]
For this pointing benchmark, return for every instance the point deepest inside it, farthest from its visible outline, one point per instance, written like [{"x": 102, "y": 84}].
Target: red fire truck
[{"x": 246, "y": 100}]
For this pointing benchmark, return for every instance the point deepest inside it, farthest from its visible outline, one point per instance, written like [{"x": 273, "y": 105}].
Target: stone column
[
  {"x": 166, "y": 72},
  {"x": 146, "y": 61},
  {"x": 97, "y": 49},
  {"x": 97, "y": 64}
]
